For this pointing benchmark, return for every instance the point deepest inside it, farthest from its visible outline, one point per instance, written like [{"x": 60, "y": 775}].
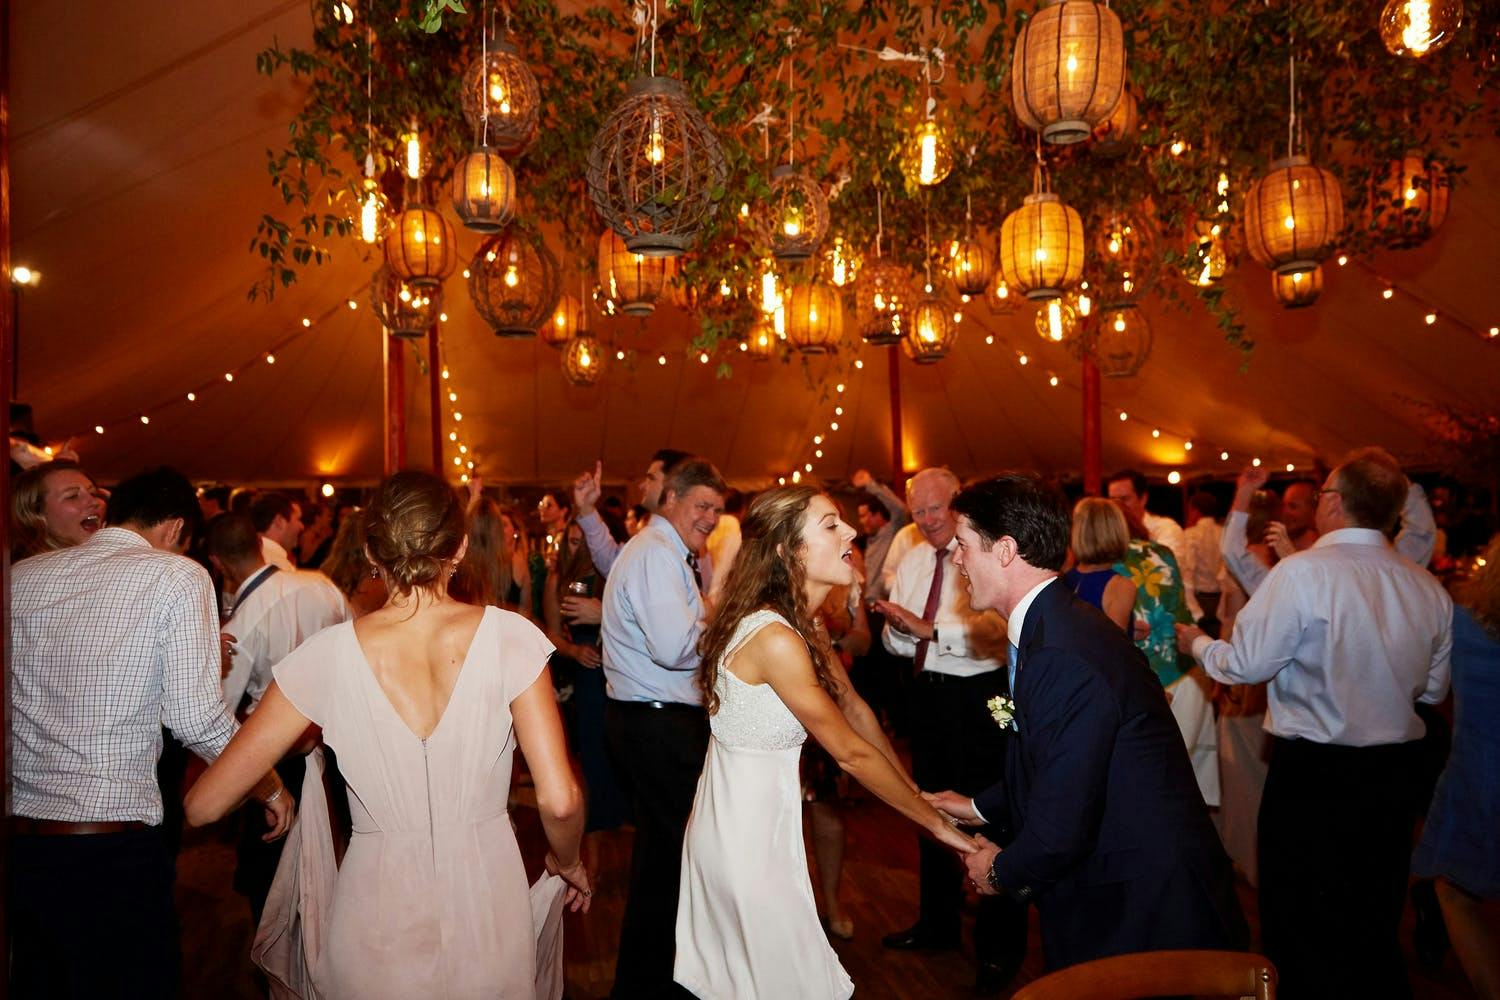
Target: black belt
[
  {"x": 27, "y": 827},
  {"x": 934, "y": 677},
  {"x": 678, "y": 705}
]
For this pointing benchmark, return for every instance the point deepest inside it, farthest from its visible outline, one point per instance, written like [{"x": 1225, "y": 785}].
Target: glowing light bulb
[
  {"x": 1124, "y": 416},
  {"x": 770, "y": 299},
  {"x": 818, "y": 453},
  {"x": 1053, "y": 381},
  {"x": 927, "y": 170},
  {"x": 452, "y": 397},
  {"x": 1289, "y": 222},
  {"x": 327, "y": 489},
  {"x": 1290, "y": 467},
  {"x": 1114, "y": 244},
  {"x": 270, "y": 359},
  {"x": 1223, "y": 456},
  {"x": 1054, "y": 321},
  {"x": 453, "y": 435},
  {"x": 833, "y": 426},
  {"x": 807, "y": 467},
  {"x": 703, "y": 357},
  {"x": 1119, "y": 322},
  {"x": 1430, "y": 318},
  {"x": 1255, "y": 462},
  {"x": 656, "y": 144},
  {"x": 989, "y": 338},
  {"x": 661, "y": 359},
  {"x": 796, "y": 475},
  {"x": 145, "y": 419},
  {"x": 192, "y": 397},
  {"x": 369, "y": 217},
  {"x": 1177, "y": 147},
  {"x": 1156, "y": 432},
  {"x": 306, "y": 322},
  {"x": 1387, "y": 293},
  {"x": 512, "y": 279},
  {"x": 860, "y": 364},
  {"x": 229, "y": 376},
  {"x": 1187, "y": 446},
  {"x": 98, "y": 428},
  {"x": 839, "y": 387},
  {"x": 1023, "y": 359},
  {"x": 1072, "y": 63},
  {"x": 584, "y": 358},
  {"x": 413, "y": 156},
  {"x": 1174, "y": 477},
  {"x": 1418, "y": 33},
  {"x": 1040, "y": 255}
]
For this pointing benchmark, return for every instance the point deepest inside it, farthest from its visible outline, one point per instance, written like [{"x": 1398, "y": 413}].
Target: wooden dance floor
[{"x": 880, "y": 888}]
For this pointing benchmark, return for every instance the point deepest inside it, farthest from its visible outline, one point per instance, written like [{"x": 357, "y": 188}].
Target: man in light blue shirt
[{"x": 654, "y": 611}]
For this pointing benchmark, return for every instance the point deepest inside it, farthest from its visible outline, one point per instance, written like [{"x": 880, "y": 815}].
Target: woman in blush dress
[
  {"x": 424, "y": 702},
  {"x": 747, "y": 923}
]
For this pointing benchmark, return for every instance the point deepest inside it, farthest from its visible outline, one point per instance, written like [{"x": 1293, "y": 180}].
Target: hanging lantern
[
  {"x": 1123, "y": 342},
  {"x": 1410, "y": 202},
  {"x": 970, "y": 266},
  {"x": 404, "y": 309},
  {"x": 1298, "y": 289},
  {"x": 1057, "y": 321},
  {"x": 761, "y": 343},
  {"x": 513, "y": 281},
  {"x": 932, "y": 331},
  {"x": 842, "y": 264},
  {"x": 655, "y": 169},
  {"x": 1293, "y": 215},
  {"x": 484, "y": 191},
  {"x": 1041, "y": 246},
  {"x": 1418, "y": 27},
  {"x": 796, "y": 216},
  {"x": 883, "y": 297},
  {"x": 583, "y": 360},
  {"x": 502, "y": 87},
  {"x": 1113, "y": 136},
  {"x": 366, "y": 208},
  {"x": 927, "y": 155},
  {"x": 568, "y": 321},
  {"x": 1003, "y": 300},
  {"x": 1068, "y": 70},
  {"x": 420, "y": 246},
  {"x": 631, "y": 281},
  {"x": 814, "y": 318},
  {"x": 1207, "y": 258},
  {"x": 1122, "y": 253}
]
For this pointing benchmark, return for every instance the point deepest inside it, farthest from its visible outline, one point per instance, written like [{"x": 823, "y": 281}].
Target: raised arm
[
  {"x": 1417, "y": 538},
  {"x": 1234, "y": 546}
]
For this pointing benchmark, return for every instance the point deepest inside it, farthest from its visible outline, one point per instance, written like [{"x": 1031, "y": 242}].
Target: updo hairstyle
[{"x": 413, "y": 529}]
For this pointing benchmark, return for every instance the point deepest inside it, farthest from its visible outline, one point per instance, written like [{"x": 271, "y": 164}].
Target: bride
[{"x": 747, "y": 925}]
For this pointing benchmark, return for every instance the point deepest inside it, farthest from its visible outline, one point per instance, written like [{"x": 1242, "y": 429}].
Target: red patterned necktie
[{"x": 929, "y": 610}]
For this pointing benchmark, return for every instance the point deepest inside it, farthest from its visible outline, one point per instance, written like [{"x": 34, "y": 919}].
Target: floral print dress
[{"x": 1159, "y": 601}]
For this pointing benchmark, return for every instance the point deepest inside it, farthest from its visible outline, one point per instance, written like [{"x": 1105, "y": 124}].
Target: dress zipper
[{"x": 431, "y": 840}]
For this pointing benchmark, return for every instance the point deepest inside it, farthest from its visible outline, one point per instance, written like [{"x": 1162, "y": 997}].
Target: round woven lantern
[
  {"x": 420, "y": 246},
  {"x": 484, "y": 191},
  {"x": 761, "y": 343},
  {"x": 1057, "y": 322},
  {"x": 1123, "y": 252},
  {"x": 883, "y": 299},
  {"x": 502, "y": 87},
  {"x": 1410, "y": 202},
  {"x": 970, "y": 265},
  {"x": 1002, "y": 298},
  {"x": 931, "y": 333},
  {"x": 843, "y": 264},
  {"x": 1068, "y": 71},
  {"x": 655, "y": 169},
  {"x": 513, "y": 280},
  {"x": 583, "y": 360},
  {"x": 632, "y": 281},
  {"x": 1113, "y": 136},
  {"x": 1207, "y": 258},
  {"x": 927, "y": 155},
  {"x": 1123, "y": 342},
  {"x": 568, "y": 321},
  {"x": 1418, "y": 27},
  {"x": 796, "y": 215},
  {"x": 1293, "y": 215},
  {"x": 1041, "y": 247},
  {"x": 814, "y": 318},
  {"x": 404, "y": 309},
  {"x": 1299, "y": 289}
]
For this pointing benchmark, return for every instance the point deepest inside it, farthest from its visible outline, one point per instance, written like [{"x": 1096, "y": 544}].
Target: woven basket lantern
[
  {"x": 1114, "y": 135},
  {"x": 503, "y": 87},
  {"x": 568, "y": 321},
  {"x": 1057, "y": 321},
  {"x": 1410, "y": 202},
  {"x": 420, "y": 246},
  {"x": 1293, "y": 216},
  {"x": 814, "y": 318},
  {"x": 1122, "y": 255},
  {"x": 655, "y": 169},
  {"x": 841, "y": 264},
  {"x": 882, "y": 302},
  {"x": 971, "y": 265},
  {"x": 795, "y": 217},
  {"x": 513, "y": 280},
  {"x": 1068, "y": 70},
  {"x": 1122, "y": 343},
  {"x": 484, "y": 191},
  {"x": 632, "y": 281},
  {"x": 761, "y": 343},
  {"x": 1298, "y": 289},
  {"x": 404, "y": 309},
  {"x": 932, "y": 331},
  {"x": 583, "y": 360},
  {"x": 1041, "y": 247}
]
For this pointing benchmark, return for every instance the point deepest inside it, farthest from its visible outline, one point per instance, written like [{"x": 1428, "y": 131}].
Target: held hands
[
  {"x": 586, "y": 490},
  {"x": 580, "y": 893},
  {"x": 958, "y": 808},
  {"x": 978, "y": 865},
  {"x": 1278, "y": 539},
  {"x": 1185, "y": 636},
  {"x": 582, "y": 610}
]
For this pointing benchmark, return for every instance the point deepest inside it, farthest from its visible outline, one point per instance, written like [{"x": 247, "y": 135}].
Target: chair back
[{"x": 1159, "y": 973}]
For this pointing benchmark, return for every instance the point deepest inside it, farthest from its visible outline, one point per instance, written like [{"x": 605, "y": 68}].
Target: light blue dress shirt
[{"x": 653, "y": 617}]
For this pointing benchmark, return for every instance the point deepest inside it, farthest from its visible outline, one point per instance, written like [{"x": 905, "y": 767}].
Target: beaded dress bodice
[{"x": 752, "y": 716}]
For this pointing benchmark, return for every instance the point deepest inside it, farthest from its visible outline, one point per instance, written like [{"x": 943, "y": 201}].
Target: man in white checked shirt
[{"x": 111, "y": 640}]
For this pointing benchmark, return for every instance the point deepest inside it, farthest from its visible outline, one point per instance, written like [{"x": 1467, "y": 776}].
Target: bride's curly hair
[{"x": 768, "y": 573}]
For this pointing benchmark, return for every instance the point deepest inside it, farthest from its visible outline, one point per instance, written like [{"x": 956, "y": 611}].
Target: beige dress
[{"x": 431, "y": 899}]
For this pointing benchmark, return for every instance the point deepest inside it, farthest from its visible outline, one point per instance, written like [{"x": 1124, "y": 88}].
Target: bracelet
[{"x": 274, "y": 795}]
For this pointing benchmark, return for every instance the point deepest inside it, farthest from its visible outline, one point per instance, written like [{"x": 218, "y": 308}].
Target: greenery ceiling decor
[{"x": 1209, "y": 82}]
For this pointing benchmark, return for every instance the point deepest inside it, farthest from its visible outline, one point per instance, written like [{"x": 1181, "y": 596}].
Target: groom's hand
[
  {"x": 956, "y": 806},
  {"x": 978, "y": 865},
  {"x": 1185, "y": 636}
]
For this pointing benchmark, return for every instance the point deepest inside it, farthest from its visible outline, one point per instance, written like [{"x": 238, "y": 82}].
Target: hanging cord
[
  {"x": 653, "y": 37},
  {"x": 791, "y": 114},
  {"x": 1291, "y": 121},
  {"x": 968, "y": 216},
  {"x": 369, "y": 93},
  {"x": 484, "y": 71},
  {"x": 927, "y": 243},
  {"x": 879, "y": 220}
]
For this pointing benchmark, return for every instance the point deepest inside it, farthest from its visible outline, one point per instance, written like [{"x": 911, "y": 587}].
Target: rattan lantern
[
  {"x": 484, "y": 191},
  {"x": 1041, "y": 246},
  {"x": 883, "y": 300},
  {"x": 761, "y": 342},
  {"x": 796, "y": 215},
  {"x": 656, "y": 170},
  {"x": 814, "y": 318},
  {"x": 404, "y": 309},
  {"x": 1068, "y": 70},
  {"x": 420, "y": 246},
  {"x": 1410, "y": 202},
  {"x": 1293, "y": 216},
  {"x": 1206, "y": 259},
  {"x": 568, "y": 321},
  {"x": 1123, "y": 342},
  {"x": 927, "y": 155},
  {"x": 1113, "y": 136},
  {"x": 633, "y": 282},
  {"x": 971, "y": 265},
  {"x": 501, "y": 87},
  {"x": 1417, "y": 28},
  {"x": 513, "y": 280},
  {"x": 1298, "y": 289},
  {"x": 842, "y": 264},
  {"x": 1001, "y": 297},
  {"x": 1057, "y": 322},
  {"x": 583, "y": 360},
  {"x": 932, "y": 331}
]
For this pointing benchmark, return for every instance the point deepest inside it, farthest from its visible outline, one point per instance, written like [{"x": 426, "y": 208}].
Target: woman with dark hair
[
  {"x": 53, "y": 506},
  {"x": 349, "y": 568},
  {"x": 424, "y": 701},
  {"x": 747, "y": 925}
]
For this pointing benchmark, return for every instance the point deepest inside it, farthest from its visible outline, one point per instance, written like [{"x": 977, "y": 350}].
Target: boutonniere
[{"x": 1003, "y": 711}]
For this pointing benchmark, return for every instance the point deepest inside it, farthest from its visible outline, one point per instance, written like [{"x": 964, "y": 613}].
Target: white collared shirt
[
  {"x": 274, "y": 555},
  {"x": 1350, "y": 634},
  {"x": 653, "y": 617},
  {"x": 1167, "y": 532},
  {"x": 963, "y": 635},
  {"x": 289, "y": 608},
  {"x": 1017, "y": 620}
]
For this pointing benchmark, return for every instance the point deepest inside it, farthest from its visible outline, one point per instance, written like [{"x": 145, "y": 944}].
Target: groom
[{"x": 1113, "y": 842}]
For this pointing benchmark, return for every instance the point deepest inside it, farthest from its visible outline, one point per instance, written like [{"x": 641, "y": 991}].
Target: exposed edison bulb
[
  {"x": 928, "y": 169},
  {"x": 791, "y": 223},
  {"x": 413, "y": 155},
  {"x": 499, "y": 96},
  {"x": 1002, "y": 290},
  {"x": 770, "y": 298},
  {"x": 778, "y": 321},
  {"x": 585, "y": 359},
  {"x": 369, "y": 217},
  {"x": 1419, "y": 27},
  {"x": 512, "y": 279},
  {"x": 656, "y": 143},
  {"x": 928, "y": 157},
  {"x": 1054, "y": 321},
  {"x": 1120, "y": 323}
]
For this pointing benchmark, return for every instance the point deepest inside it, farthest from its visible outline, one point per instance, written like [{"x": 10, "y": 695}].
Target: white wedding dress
[{"x": 747, "y": 924}]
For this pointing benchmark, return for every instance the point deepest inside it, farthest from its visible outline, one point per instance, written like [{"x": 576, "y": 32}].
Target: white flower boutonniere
[{"x": 1003, "y": 711}]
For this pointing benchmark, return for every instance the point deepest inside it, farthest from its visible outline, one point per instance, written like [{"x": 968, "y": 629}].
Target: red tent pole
[
  {"x": 7, "y": 376},
  {"x": 1093, "y": 430},
  {"x": 898, "y": 471},
  {"x": 395, "y": 405},
  {"x": 435, "y": 373}
]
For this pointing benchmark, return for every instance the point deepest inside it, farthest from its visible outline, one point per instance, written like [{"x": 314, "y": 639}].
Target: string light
[
  {"x": 1174, "y": 477},
  {"x": 192, "y": 397},
  {"x": 1255, "y": 462},
  {"x": 1430, "y": 318}
]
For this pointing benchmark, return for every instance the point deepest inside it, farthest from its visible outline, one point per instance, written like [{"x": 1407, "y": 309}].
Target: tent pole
[
  {"x": 435, "y": 373},
  {"x": 898, "y": 471},
  {"x": 1093, "y": 437},
  {"x": 7, "y": 370},
  {"x": 395, "y": 405}
]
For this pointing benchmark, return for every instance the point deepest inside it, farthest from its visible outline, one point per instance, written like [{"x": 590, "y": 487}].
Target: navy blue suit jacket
[{"x": 1112, "y": 840}]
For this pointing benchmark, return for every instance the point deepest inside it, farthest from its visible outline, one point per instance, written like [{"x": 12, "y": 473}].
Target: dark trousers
[
  {"x": 1335, "y": 848},
  {"x": 658, "y": 754},
  {"x": 91, "y": 916},
  {"x": 256, "y": 860},
  {"x": 955, "y": 744}
]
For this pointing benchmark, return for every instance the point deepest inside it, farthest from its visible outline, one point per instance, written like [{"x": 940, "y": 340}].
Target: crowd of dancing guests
[{"x": 1102, "y": 713}]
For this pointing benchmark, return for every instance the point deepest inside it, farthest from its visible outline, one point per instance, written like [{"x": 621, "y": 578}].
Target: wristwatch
[
  {"x": 992, "y": 880},
  {"x": 934, "y": 634}
]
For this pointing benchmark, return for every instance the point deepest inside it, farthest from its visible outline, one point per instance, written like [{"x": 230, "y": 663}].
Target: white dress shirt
[
  {"x": 275, "y": 618},
  {"x": 603, "y": 548},
  {"x": 110, "y": 640},
  {"x": 1349, "y": 634},
  {"x": 908, "y": 537},
  {"x": 1167, "y": 532},
  {"x": 964, "y": 636},
  {"x": 653, "y": 617},
  {"x": 274, "y": 555},
  {"x": 1200, "y": 562}
]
